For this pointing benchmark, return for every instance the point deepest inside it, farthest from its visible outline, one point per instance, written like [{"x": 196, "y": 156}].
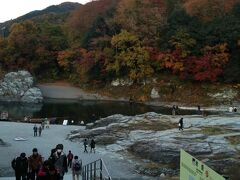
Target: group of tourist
[
  {"x": 92, "y": 146},
  {"x": 54, "y": 168},
  {"x": 37, "y": 131},
  {"x": 232, "y": 109},
  {"x": 175, "y": 110}
]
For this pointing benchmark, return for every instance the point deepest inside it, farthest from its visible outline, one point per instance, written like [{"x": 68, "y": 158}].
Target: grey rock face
[
  {"x": 122, "y": 82},
  {"x": 226, "y": 94},
  {"x": 168, "y": 152},
  {"x": 33, "y": 95},
  {"x": 18, "y": 86}
]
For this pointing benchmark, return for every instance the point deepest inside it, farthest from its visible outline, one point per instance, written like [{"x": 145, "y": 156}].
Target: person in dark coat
[
  {"x": 40, "y": 130},
  {"x": 180, "y": 124},
  {"x": 199, "y": 109},
  {"x": 35, "y": 130},
  {"x": 92, "y": 144},
  {"x": 59, "y": 160},
  {"x": 174, "y": 110},
  {"x": 20, "y": 166}
]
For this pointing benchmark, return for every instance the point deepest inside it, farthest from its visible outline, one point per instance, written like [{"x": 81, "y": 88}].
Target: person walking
[
  {"x": 47, "y": 172},
  {"x": 199, "y": 109},
  {"x": 35, "y": 130},
  {"x": 59, "y": 160},
  {"x": 173, "y": 110},
  {"x": 47, "y": 124},
  {"x": 70, "y": 158},
  {"x": 20, "y": 166},
  {"x": 34, "y": 163},
  {"x": 85, "y": 143},
  {"x": 92, "y": 144},
  {"x": 43, "y": 171},
  {"x": 180, "y": 124},
  {"x": 76, "y": 168},
  {"x": 43, "y": 124},
  {"x": 40, "y": 130}
]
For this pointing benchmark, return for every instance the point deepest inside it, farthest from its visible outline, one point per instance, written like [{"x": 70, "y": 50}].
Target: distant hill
[{"x": 62, "y": 9}]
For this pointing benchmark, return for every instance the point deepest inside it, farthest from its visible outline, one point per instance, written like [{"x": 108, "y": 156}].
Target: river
[{"x": 78, "y": 111}]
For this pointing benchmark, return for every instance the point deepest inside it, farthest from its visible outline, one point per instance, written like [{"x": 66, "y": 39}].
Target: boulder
[
  {"x": 162, "y": 172},
  {"x": 168, "y": 152},
  {"x": 117, "y": 118},
  {"x": 223, "y": 165},
  {"x": 122, "y": 82},
  {"x": 33, "y": 95},
  {"x": 2, "y": 143},
  {"x": 19, "y": 87},
  {"x": 154, "y": 94},
  {"x": 105, "y": 139},
  {"x": 224, "y": 94}
]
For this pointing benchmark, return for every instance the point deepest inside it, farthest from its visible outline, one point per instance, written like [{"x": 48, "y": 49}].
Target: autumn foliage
[
  {"x": 208, "y": 9},
  {"x": 209, "y": 66},
  {"x": 195, "y": 40}
]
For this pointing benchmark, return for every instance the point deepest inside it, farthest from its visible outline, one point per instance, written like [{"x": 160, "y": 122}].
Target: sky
[{"x": 11, "y": 9}]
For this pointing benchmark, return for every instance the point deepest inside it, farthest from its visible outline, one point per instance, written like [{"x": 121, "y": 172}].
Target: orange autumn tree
[
  {"x": 207, "y": 67},
  {"x": 207, "y": 10},
  {"x": 82, "y": 20},
  {"x": 211, "y": 65},
  {"x": 142, "y": 17},
  {"x": 182, "y": 43},
  {"x": 76, "y": 63}
]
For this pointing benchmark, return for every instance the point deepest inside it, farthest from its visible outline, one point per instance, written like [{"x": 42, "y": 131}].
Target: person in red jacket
[
  {"x": 47, "y": 172},
  {"x": 70, "y": 158}
]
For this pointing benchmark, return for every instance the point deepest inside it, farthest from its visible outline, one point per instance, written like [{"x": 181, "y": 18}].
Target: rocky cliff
[{"x": 19, "y": 87}]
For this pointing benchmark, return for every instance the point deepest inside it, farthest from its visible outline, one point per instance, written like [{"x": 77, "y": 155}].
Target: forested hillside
[
  {"x": 54, "y": 14},
  {"x": 194, "y": 40}
]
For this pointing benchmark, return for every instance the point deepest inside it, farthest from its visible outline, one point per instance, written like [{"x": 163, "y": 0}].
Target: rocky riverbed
[{"x": 152, "y": 142}]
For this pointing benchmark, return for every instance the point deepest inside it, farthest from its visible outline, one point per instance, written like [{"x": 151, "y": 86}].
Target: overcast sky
[{"x": 11, "y": 9}]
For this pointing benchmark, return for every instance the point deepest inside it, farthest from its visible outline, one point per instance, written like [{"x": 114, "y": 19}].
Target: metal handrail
[
  {"x": 105, "y": 167},
  {"x": 90, "y": 171}
]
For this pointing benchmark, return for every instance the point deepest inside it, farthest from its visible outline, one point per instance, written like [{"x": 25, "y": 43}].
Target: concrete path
[{"x": 117, "y": 167}]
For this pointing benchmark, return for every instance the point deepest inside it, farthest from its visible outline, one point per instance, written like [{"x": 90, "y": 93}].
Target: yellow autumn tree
[{"x": 131, "y": 59}]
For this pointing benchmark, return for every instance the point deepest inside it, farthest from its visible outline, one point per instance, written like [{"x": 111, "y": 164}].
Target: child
[{"x": 76, "y": 168}]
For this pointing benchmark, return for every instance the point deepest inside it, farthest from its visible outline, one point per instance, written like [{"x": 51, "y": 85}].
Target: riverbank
[{"x": 66, "y": 91}]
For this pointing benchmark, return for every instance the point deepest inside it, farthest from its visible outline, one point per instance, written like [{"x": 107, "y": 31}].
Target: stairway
[
  {"x": 66, "y": 177},
  {"x": 95, "y": 170}
]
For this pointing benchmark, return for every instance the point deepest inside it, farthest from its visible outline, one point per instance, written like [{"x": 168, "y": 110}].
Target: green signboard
[{"x": 193, "y": 169}]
